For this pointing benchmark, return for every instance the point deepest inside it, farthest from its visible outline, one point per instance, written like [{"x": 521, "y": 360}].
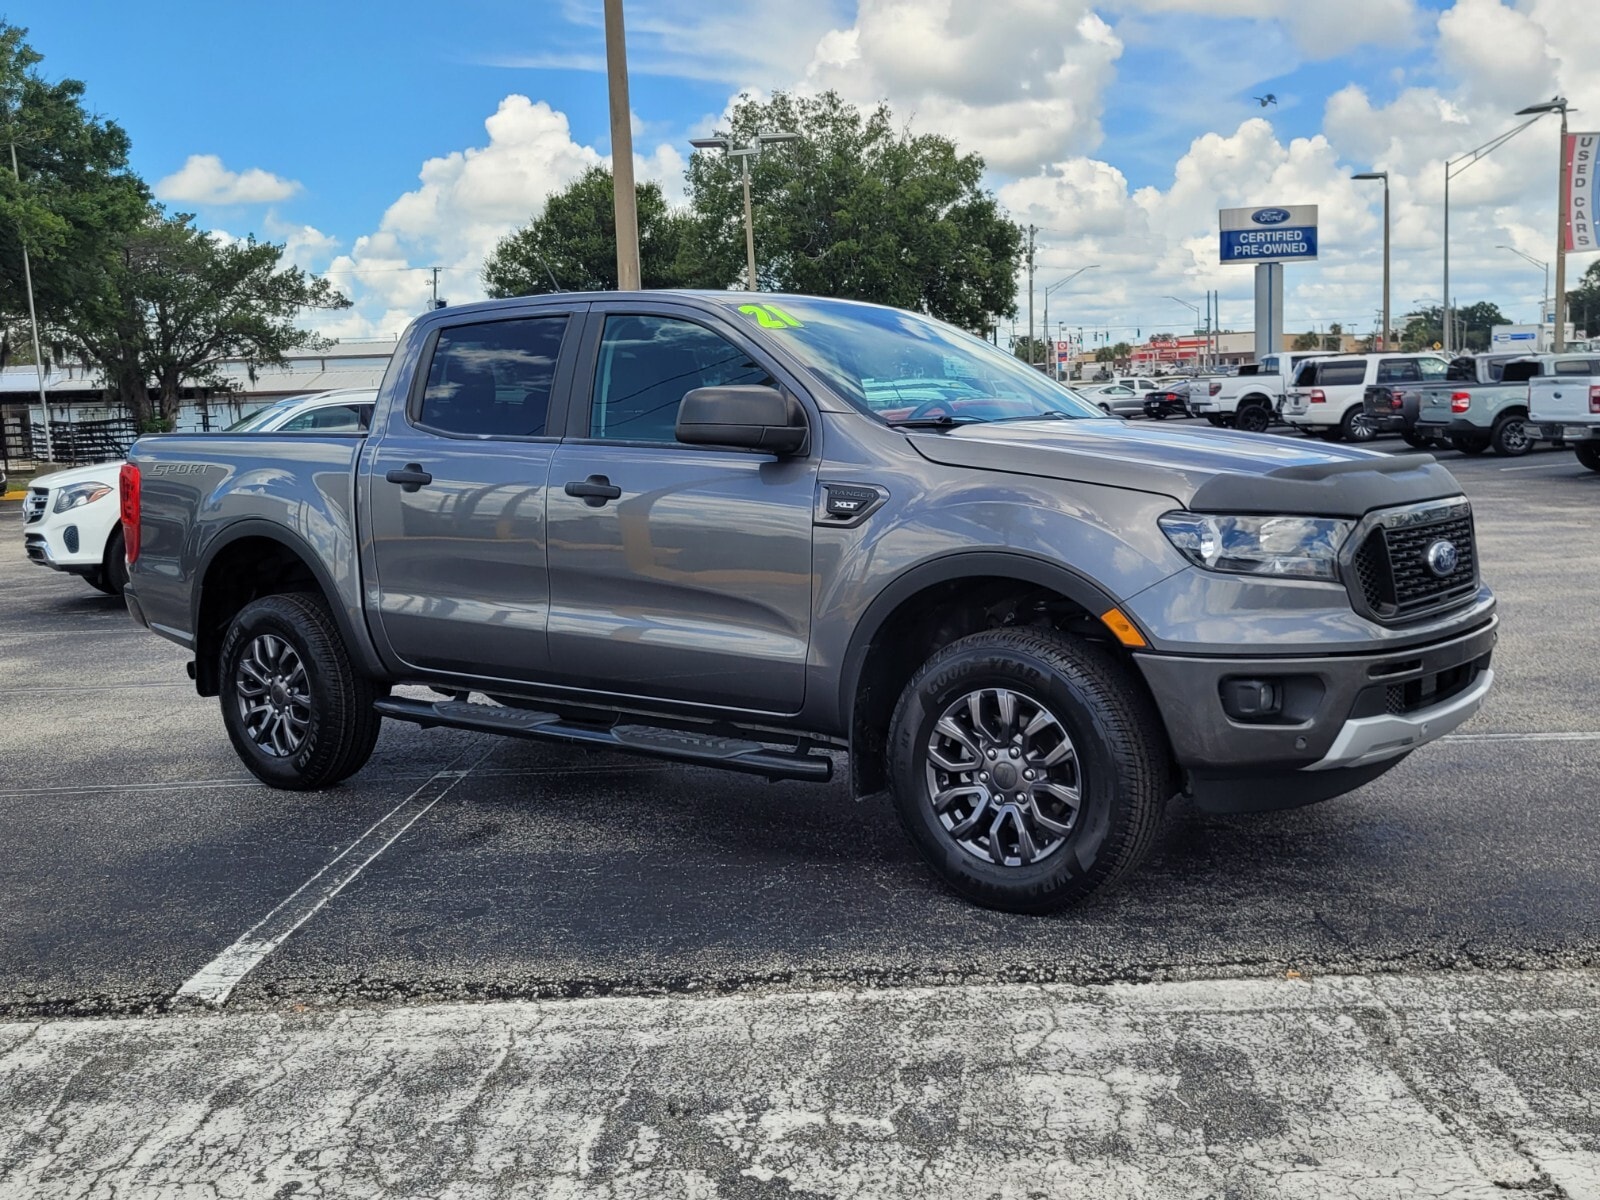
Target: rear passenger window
[
  {"x": 493, "y": 379},
  {"x": 646, "y": 366},
  {"x": 1573, "y": 367},
  {"x": 1333, "y": 374}
]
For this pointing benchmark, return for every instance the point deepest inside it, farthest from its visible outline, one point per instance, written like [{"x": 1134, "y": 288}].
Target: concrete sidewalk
[{"x": 1460, "y": 1085}]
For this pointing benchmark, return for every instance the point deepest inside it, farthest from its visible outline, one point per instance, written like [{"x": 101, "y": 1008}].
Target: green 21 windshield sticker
[{"x": 770, "y": 316}]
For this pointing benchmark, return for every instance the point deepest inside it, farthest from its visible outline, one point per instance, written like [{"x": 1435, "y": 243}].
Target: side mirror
[{"x": 746, "y": 416}]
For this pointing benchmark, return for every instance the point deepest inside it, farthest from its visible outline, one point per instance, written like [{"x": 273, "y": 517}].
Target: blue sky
[{"x": 349, "y": 100}]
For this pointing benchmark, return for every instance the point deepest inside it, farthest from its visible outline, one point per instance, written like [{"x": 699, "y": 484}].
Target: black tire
[
  {"x": 1253, "y": 418},
  {"x": 1417, "y": 441},
  {"x": 97, "y": 580},
  {"x": 1589, "y": 455},
  {"x": 1119, "y": 764},
  {"x": 1468, "y": 443},
  {"x": 312, "y": 745},
  {"x": 1354, "y": 426},
  {"x": 114, "y": 567},
  {"x": 1510, "y": 437},
  {"x": 1218, "y": 422}
]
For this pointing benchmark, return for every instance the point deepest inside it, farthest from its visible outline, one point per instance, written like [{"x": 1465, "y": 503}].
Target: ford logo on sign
[{"x": 1270, "y": 216}]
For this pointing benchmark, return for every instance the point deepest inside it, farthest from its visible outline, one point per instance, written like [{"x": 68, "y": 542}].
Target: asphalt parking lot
[{"x": 138, "y": 850}]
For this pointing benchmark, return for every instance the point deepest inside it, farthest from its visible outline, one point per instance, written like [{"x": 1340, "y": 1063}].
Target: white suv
[
  {"x": 72, "y": 520},
  {"x": 1329, "y": 394}
]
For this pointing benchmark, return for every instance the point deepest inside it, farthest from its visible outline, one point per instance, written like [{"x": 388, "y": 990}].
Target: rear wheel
[
  {"x": 298, "y": 714},
  {"x": 1253, "y": 418},
  {"x": 1468, "y": 443},
  {"x": 1028, "y": 768},
  {"x": 1417, "y": 441},
  {"x": 1589, "y": 455},
  {"x": 1510, "y": 437},
  {"x": 1354, "y": 426}
]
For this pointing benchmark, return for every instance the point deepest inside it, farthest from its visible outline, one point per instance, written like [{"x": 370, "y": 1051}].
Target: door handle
[
  {"x": 410, "y": 477},
  {"x": 595, "y": 490}
]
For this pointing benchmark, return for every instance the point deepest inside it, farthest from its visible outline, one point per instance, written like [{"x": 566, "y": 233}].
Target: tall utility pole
[
  {"x": 1383, "y": 338},
  {"x": 33, "y": 320},
  {"x": 1059, "y": 284},
  {"x": 626, "y": 208},
  {"x": 1031, "y": 343},
  {"x": 435, "y": 271}
]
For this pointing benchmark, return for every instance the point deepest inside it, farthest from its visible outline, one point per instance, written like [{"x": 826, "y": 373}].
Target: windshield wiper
[
  {"x": 945, "y": 422},
  {"x": 1052, "y": 415}
]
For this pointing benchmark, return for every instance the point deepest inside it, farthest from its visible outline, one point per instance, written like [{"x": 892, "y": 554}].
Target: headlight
[
  {"x": 1291, "y": 547},
  {"x": 80, "y": 494}
]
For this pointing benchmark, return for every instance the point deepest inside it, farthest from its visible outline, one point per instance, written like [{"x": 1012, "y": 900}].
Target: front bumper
[{"x": 1345, "y": 719}]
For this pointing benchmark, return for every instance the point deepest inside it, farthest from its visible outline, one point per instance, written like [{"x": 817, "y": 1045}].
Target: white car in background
[{"x": 72, "y": 520}]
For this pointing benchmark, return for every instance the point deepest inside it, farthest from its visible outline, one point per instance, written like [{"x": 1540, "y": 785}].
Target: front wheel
[
  {"x": 298, "y": 714},
  {"x": 1028, "y": 768},
  {"x": 1510, "y": 437},
  {"x": 1589, "y": 455}
]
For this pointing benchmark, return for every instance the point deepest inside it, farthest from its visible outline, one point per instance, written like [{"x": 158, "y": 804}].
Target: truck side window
[
  {"x": 1571, "y": 366},
  {"x": 646, "y": 366},
  {"x": 1432, "y": 368},
  {"x": 493, "y": 378},
  {"x": 333, "y": 418},
  {"x": 1333, "y": 374}
]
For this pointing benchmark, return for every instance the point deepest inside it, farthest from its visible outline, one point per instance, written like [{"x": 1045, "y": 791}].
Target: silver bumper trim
[{"x": 1371, "y": 739}]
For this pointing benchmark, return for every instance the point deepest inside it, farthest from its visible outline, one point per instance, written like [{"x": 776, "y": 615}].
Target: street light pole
[
  {"x": 1060, "y": 283},
  {"x": 1544, "y": 296},
  {"x": 744, "y": 154},
  {"x": 33, "y": 320},
  {"x": 625, "y": 203},
  {"x": 1383, "y": 339},
  {"x": 1454, "y": 167},
  {"x": 1558, "y": 341}
]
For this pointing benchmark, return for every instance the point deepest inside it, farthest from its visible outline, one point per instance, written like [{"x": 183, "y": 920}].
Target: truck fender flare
[
  {"x": 356, "y": 642},
  {"x": 970, "y": 564}
]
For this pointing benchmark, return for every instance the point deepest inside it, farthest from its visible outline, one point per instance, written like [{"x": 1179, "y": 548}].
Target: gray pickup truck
[
  {"x": 746, "y": 532},
  {"x": 1482, "y": 405}
]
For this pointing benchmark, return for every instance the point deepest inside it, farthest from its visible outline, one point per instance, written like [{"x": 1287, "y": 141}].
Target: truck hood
[
  {"x": 1215, "y": 471},
  {"x": 106, "y": 473}
]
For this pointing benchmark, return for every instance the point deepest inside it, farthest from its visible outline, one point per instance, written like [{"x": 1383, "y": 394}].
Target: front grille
[
  {"x": 33, "y": 505},
  {"x": 1402, "y": 699},
  {"x": 1391, "y": 570}
]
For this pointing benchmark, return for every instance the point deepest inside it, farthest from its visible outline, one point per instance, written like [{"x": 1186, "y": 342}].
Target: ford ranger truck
[
  {"x": 746, "y": 531},
  {"x": 1565, "y": 404}
]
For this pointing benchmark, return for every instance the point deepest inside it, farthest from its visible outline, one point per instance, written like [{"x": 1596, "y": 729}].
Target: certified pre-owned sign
[{"x": 1269, "y": 234}]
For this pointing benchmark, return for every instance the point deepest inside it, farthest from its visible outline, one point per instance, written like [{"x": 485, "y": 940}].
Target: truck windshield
[{"x": 898, "y": 366}]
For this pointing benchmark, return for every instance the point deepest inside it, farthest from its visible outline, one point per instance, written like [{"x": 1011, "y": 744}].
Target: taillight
[
  {"x": 1215, "y": 388},
  {"x": 1318, "y": 396},
  {"x": 129, "y": 481},
  {"x": 1460, "y": 401},
  {"x": 1398, "y": 399},
  {"x": 1594, "y": 399}
]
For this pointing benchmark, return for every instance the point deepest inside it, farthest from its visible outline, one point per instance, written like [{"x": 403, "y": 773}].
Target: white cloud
[
  {"x": 1320, "y": 29},
  {"x": 1020, "y": 81},
  {"x": 204, "y": 180}
]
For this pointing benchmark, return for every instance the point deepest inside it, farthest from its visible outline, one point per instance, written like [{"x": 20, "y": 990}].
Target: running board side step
[{"x": 732, "y": 754}]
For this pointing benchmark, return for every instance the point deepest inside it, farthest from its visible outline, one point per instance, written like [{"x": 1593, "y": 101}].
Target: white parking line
[
  {"x": 214, "y": 982},
  {"x": 1545, "y": 466},
  {"x": 1521, "y": 737}
]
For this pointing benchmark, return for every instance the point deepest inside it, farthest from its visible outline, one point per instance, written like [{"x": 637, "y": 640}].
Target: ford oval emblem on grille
[
  {"x": 1270, "y": 216},
  {"x": 1442, "y": 558}
]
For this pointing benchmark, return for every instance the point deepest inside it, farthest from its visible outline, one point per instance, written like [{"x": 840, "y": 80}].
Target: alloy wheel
[
  {"x": 273, "y": 693},
  {"x": 1003, "y": 777}
]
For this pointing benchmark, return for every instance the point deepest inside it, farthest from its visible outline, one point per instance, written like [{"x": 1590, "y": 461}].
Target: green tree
[
  {"x": 75, "y": 196},
  {"x": 1583, "y": 302},
  {"x": 1104, "y": 355},
  {"x": 1032, "y": 350},
  {"x": 174, "y": 299},
  {"x": 1121, "y": 352},
  {"x": 1306, "y": 341},
  {"x": 572, "y": 244},
  {"x": 1474, "y": 325},
  {"x": 857, "y": 208}
]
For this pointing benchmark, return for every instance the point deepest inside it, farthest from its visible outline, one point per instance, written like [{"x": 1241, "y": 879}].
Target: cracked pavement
[
  {"x": 1455, "y": 1085},
  {"x": 589, "y": 974}
]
